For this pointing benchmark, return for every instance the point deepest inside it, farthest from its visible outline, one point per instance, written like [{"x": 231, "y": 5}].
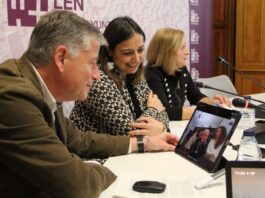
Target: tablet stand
[{"x": 221, "y": 164}]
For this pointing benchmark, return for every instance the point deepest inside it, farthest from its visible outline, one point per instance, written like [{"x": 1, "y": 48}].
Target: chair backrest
[{"x": 221, "y": 82}]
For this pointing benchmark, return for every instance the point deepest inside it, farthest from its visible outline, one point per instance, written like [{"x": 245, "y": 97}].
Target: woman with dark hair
[
  {"x": 121, "y": 101},
  {"x": 216, "y": 143}
]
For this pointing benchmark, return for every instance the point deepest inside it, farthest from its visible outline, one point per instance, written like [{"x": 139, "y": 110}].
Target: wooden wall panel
[
  {"x": 223, "y": 36},
  {"x": 219, "y": 50},
  {"x": 219, "y": 13},
  {"x": 245, "y": 86},
  {"x": 250, "y": 31},
  {"x": 250, "y": 44}
]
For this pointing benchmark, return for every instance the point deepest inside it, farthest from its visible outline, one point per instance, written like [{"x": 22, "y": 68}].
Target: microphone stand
[
  {"x": 202, "y": 85},
  {"x": 221, "y": 59},
  {"x": 259, "y": 113}
]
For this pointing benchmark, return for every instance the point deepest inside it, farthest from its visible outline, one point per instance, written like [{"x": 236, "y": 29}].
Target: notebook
[
  {"x": 206, "y": 136},
  {"x": 245, "y": 179}
]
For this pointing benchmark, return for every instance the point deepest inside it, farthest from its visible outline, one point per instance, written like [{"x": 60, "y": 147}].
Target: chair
[{"x": 221, "y": 82}]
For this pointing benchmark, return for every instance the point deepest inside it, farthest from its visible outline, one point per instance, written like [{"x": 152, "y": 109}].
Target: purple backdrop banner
[
  {"x": 200, "y": 36},
  {"x": 18, "y": 17}
]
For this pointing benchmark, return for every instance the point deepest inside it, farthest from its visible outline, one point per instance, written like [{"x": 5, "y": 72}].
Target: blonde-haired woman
[{"x": 169, "y": 78}]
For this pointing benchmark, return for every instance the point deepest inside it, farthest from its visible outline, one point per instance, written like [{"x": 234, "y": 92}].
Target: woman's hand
[
  {"x": 222, "y": 100},
  {"x": 217, "y": 99},
  {"x": 147, "y": 126},
  {"x": 154, "y": 102}
]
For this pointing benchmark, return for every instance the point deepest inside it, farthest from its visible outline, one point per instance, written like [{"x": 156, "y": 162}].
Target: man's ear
[{"x": 59, "y": 57}]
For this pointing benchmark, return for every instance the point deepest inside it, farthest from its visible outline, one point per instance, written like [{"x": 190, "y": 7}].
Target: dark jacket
[
  {"x": 173, "y": 90},
  {"x": 39, "y": 159}
]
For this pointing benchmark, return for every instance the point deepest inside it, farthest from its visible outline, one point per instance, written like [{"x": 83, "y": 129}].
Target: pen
[{"x": 207, "y": 181}]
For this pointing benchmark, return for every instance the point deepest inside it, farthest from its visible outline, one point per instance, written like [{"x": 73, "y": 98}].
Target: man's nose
[{"x": 95, "y": 74}]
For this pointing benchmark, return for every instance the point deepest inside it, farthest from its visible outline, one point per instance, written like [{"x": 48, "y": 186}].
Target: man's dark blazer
[{"x": 39, "y": 159}]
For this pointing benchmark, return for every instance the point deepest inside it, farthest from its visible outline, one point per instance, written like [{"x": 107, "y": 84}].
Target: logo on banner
[
  {"x": 194, "y": 37},
  {"x": 194, "y": 17},
  {"x": 195, "y": 57},
  {"x": 26, "y": 11},
  {"x": 194, "y": 2}
]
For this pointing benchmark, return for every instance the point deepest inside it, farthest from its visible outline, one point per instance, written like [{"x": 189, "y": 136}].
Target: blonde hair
[{"x": 163, "y": 47}]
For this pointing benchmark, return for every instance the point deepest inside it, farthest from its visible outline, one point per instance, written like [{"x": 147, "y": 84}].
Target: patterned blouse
[{"x": 109, "y": 110}]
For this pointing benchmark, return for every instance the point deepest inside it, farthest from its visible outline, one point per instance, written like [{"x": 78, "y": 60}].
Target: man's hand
[{"x": 160, "y": 142}]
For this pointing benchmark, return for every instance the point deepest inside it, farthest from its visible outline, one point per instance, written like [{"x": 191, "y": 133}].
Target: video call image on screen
[
  {"x": 206, "y": 134},
  {"x": 248, "y": 182}
]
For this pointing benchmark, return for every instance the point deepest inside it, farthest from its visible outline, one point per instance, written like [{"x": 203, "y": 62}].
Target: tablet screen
[{"x": 204, "y": 139}]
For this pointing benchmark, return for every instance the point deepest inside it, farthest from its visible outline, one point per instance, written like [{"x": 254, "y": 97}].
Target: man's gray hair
[{"x": 61, "y": 28}]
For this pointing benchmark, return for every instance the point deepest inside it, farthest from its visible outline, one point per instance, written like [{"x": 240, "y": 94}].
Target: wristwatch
[{"x": 140, "y": 143}]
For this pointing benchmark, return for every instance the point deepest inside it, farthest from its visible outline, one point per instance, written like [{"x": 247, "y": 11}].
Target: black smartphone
[{"x": 149, "y": 186}]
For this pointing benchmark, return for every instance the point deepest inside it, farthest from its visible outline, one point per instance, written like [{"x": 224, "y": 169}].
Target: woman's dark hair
[
  {"x": 117, "y": 31},
  {"x": 222, "y": 137}
]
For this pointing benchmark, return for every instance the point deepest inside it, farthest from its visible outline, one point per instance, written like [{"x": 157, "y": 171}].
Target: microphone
[
  {"x": 222, "y": 60},
  {"x": 238, "y": 102},
  {"x": 203, "y": 85}
]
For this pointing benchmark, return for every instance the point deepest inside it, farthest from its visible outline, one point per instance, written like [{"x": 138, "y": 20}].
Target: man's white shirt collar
[{"x": 48, "y": 97}]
